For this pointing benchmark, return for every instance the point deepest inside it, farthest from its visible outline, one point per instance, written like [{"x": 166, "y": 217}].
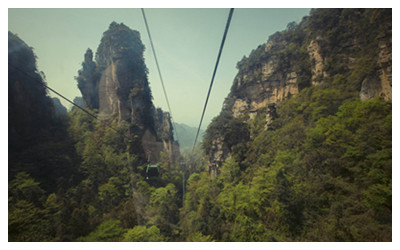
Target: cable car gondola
[{"x": 153, "y": 172}]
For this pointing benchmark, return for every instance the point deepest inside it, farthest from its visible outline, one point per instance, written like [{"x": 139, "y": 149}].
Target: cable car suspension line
[
  {"x": 215, "y": 70},
  {"x": 65, "y": 98},
  {"x": 159, "y": 73}
]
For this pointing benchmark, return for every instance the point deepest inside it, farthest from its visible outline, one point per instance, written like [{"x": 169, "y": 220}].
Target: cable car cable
[
  {"x": 215, "y": 70},
  {"x": 65, "y": 98},
  {"x": 159, "y": 73}
]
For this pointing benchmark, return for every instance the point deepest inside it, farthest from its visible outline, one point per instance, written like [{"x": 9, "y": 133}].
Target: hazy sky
[{"x": 186, "y": 42}]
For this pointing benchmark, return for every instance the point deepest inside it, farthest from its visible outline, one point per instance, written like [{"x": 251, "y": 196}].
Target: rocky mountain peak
[
  {"x": 117, "y": 85},
  {"x": 328, "y": 48}
]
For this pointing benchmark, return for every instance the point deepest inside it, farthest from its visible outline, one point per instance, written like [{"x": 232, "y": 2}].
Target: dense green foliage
[
  {"x": 111, "y": 200},
  {"x": 322, "y": 171},
  {"x": 231, "y": 130},
  {"x": 73, "y": 178},
  {"x": 322, "y": 174}
]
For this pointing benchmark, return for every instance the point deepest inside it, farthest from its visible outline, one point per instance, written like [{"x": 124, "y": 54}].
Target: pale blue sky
[{"x": 186, "y": 42}]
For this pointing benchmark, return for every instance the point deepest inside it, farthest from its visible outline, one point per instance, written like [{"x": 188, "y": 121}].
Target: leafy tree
[
  {"x": 23, "y": 187},
  {"x": 111, "y": 193},
  {"x": 110, "y": 230},
  {"x": 199, "y": 237},
  {"x": 143, "y": 234},
  {"x": 162, "y": 210},
  {"x": 27, "y": 222}
]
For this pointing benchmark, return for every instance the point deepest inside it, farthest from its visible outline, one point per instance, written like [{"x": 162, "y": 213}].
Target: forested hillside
[
  {"x": 301, "y": 151},
  {"x": 78, "y": 178}
]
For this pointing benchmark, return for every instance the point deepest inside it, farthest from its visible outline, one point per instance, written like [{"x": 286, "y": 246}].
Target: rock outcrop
[
  {"x": 380, "y": 84},
  {"x": 317, "y": 62},
  {"x": 352, "y": 44},
  {"x": 264, "y": 78},
  {"x": 217, "y": 155},
  {"x": 116, "y": 84},
  {"x": 87, "y": 81}
]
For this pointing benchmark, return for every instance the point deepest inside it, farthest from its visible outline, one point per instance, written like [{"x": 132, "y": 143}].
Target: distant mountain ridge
[{"x": 186, "y": 136}]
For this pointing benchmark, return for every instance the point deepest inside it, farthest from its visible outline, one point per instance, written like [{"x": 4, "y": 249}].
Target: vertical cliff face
[
  {"x": 272, "y": 73},
  {"x": 117, "y": 85},
  {"x": 380, "y": 84},
  {"x": 317, "y": 62},
  {"x": 87, "y": 81},
  {"x": 330, "y": 44},
  {"x": 124, "y": 92}
]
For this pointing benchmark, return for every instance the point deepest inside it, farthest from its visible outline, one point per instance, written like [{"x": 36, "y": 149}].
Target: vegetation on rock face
[
  {"x": 322, "y": 171},
  {"x": 317, "y": 176},
  {"x": 77, "y": 179},
  {"x": 109, "y": 199},
  {"x": 118, "y": 63}
]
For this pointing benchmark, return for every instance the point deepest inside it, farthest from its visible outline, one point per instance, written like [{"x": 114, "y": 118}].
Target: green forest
[{"x": 321, "y": 172}]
